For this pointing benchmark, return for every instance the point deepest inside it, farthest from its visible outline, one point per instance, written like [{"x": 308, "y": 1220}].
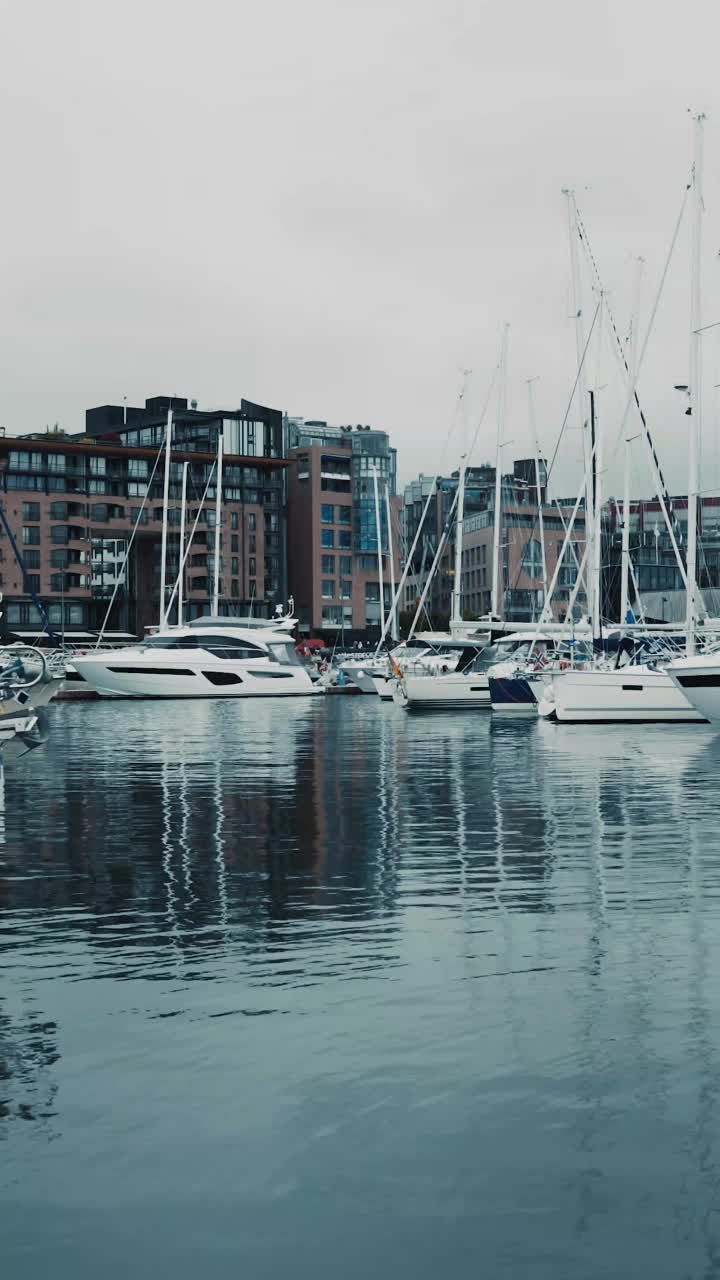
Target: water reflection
[{"x": 331, "y": 956}]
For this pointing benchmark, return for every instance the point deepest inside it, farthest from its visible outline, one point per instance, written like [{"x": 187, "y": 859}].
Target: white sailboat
[
  {"x": 642, "y": 692},
  {"x": 467, "y": 685}
]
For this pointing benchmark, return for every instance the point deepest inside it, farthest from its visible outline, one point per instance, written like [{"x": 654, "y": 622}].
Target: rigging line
[
  {"x": 446, "y": 530},
  {"x": 553, "y": 460},
  {"x": 633, "y": 395},
  {"x": 434, "y": 490},
  {"x": 120, "y": 577}
]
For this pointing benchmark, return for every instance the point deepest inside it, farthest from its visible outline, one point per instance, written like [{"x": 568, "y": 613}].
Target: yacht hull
[
  {"x": 116, "y": 677},
  {"x": 698, "y": 679},
  {"x": 630, "y": 695},
  {"x": 513, "y": 695},
  {"x": 446, "y": 692}
]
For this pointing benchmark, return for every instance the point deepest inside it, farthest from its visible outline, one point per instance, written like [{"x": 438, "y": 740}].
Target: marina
[{"x": 360, "y": 641}]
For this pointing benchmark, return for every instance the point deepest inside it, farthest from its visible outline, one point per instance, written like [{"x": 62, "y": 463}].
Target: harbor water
[{"x": 317, "y": 988}]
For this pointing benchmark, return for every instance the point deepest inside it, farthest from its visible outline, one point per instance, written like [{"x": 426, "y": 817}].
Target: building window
[
  {"x": 32, "y": 559},
  {"x": 57, "y": 582},
  {"x": 31, "y": 510},
  {"x": 346, "y": 589},
  {"x": 234, "y": 542},
  {"x": 139, "y": 515},
  {"x": 345, "y": 539},
  {"x": 97, "y": 467},
  {"x": 327, "y": 537},
  {"x": 252, "y": 566},
  {"x": 328, "y": 564},
  {"x": 31, "y": 582},
  {"x": 233, "y": 519},
  {"x": 372, "y": 592},
  {"x": 30, "y": 536},
  {"x": 344, "y": 515},
  {"x": 252, "y": 521},
  {"x": 346, "y": 566},
  {"x": 532, "y": 559},
  {"x": 327, "y": 513},
  {"x": 328, "y": 589},
  {"x": 99, "y": 512},
  {"x": 138, "y": 468},
  {"x": 234, "y": 589}
]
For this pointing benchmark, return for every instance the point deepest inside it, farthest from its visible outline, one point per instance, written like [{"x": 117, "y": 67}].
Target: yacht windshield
[{"x": 221, "y": 646}]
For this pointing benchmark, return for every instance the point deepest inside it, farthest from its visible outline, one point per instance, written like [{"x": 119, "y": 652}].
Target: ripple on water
[{"x": 436, "y": 992}]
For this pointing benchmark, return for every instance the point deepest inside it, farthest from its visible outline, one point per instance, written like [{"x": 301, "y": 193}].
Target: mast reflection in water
[{"x": 326, "y": 989}]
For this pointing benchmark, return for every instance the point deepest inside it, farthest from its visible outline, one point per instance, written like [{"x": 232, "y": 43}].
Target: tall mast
[
  {"x": 456, "y": 615},
  {"x": 218, "y": 516},
  {"x": 182, "y": 545},
  {"x": 595, "y": 566},
  {"x": 581, "y": 384},
  {"x": 632, "y": 365},
  {"x": 379, "y": 548},
  {"x": 695, "y": 386},
  {"x": 163, "y": 543},
  {"x": 595, "y": 548},
  {"x": 391, "y": 556},
  {"x": 498, "y": 594},
  {"x": 538, "y": 486}
]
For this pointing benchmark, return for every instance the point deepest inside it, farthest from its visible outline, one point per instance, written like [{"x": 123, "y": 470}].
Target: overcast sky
[{"x": 333, "y": 207}]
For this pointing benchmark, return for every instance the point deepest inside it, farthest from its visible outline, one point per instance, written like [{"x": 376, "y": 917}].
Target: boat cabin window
[
  {"x": 221, "y": 646},
  {"x": 285, "y": 653}
]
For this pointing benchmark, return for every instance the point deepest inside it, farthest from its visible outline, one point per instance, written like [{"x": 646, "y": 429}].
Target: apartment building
[
  {"x": 521, "y": 594},
  {"x": 74, "y": 504},
  {"x": 333, "y": 567}
]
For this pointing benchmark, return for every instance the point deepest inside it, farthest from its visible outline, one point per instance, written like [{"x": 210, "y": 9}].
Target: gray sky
[{"x": 332, "y": 207}]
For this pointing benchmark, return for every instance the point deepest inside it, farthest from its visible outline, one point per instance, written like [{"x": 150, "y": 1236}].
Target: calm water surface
[{"x": 319, "y": 989}]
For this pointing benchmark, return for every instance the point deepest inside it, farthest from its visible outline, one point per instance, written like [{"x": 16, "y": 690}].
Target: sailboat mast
[
  {"x": 391, "y": 557},
  {"x": 538, "y": 487},
  {"x": 596, "y": 565},
  {"x": 218, "y": 517},
  {"x": 581, "y": 384},
  {"x": 456, "y": 615},
  {"x": 632, "y": 364},
  {"x": 695, "y": 387},
  {"x": 163, "y": 542},
  {"x": 182, "y": 545},
  {"x": 379, "y": 548},
  {"x": 498, "y": 594}
]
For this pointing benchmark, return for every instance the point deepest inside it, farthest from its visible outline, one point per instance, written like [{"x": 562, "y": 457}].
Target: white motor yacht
[{"x": 210, "y": 657}]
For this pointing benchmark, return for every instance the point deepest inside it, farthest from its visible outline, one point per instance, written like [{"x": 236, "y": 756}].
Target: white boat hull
[
  {"x": 363, "y": 677},
  {"x": 446, "y": 692},
  {"x": 120, "y": 675},
  {"x": 630, "y": 695},
  {"x": 698, "y": 679}
]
